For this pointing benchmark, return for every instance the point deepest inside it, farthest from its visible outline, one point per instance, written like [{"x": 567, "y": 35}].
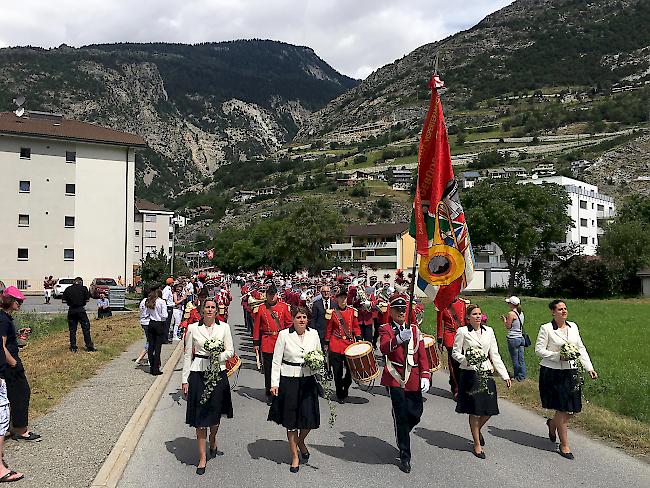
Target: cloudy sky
[{"x": 354, "y": 36}]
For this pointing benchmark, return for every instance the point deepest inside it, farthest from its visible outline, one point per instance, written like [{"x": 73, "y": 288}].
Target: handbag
[{"x": 527, "y": 341}]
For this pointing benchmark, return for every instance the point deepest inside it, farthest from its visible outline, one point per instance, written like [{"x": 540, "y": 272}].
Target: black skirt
[
  {"x": 219, "y": 404},
  {"x": 482, "y": 403},
  {"x": 559, "y": 389},
  {"x": 296, "y": 406}
]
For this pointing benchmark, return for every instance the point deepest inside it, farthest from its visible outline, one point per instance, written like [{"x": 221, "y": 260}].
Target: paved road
[{"x": 359, "y": 451}]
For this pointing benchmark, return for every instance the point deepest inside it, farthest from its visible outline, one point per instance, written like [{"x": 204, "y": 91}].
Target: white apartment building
[
  {"x": 588, "y": 209},
  {"x": 66, "y": 193},
  {"x": 153, "y": 229}
]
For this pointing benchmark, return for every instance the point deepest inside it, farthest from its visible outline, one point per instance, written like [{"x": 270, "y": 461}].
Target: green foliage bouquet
[
  {"x": 212, "y": 377},
  {"x": 315, "y": 360},
  {"x": 570, "y": 352},
  {"x": 476, "y": 357}
]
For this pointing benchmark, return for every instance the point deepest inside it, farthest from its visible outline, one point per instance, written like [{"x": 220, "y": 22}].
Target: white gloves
[
  {"x": 425, "y": 384},
  {"x": 404, "y": 336}
]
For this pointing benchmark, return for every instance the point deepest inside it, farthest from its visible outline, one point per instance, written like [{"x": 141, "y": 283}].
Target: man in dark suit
[{"x": 319, "y": 311}]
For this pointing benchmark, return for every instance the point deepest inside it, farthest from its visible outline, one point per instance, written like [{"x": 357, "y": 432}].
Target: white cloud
[{"x": 355, "y": 37}]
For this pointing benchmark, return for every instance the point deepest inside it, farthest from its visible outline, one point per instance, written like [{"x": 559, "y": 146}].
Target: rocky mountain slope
[
  {"x": 525, "y": 46},
  {"x": 196, "y": 106}
]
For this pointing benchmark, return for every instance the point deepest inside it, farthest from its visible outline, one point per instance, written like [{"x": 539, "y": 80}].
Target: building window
[
  {"x": 23, "y": 220},
  {"x": 150, "y": 249},
  {"x": 22, "y": 284},
  {"x": 170, "y": 251},
  {"x": 69, "y": 221},
  {"x": 592, "y": 206},
  {"x": 583, "y": 222},
  {"x": 137, "y": 248},
  {"x": 150, "y": 234},
  {"x": 25, "y": 153},
  {"x": 583, "y": 240},
  {"x": 24, "y": 186},
  {"x": 149, "y": 218},
  {"x": 583, "y": 203},
  {"x": 71, "y": 156},
  {"x": 137, "y": 232},
  {"x": 23, "y": 254},
  {"x": 593, "y": 240},
  {"x": 70, "y": 189},
  {"x": 68, "y": 254},
  {"x": 600, "y": 208},
  {"x": 171, "y": 236},
  {"x": 593, "y": 223}
]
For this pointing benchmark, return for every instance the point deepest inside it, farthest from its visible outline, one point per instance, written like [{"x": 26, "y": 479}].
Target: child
[{"x": 6, "y": 475}]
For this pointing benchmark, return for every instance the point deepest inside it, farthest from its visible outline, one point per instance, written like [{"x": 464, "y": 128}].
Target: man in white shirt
[{"x": 168, "y": 296}]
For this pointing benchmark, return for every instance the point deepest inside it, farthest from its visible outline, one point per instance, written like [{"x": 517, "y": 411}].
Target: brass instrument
[{"x": 255, "y": 303}]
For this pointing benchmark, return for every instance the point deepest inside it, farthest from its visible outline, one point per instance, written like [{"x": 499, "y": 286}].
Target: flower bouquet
[
  {"x": 315, "y": 360},
  {"x": 212, "y": 377},
  {"x": 570, "y": 352},
  {"x": 476, "y": 357}
]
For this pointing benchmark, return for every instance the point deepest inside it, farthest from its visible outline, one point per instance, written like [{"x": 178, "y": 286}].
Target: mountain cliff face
[
  {"x": 527, "y": 45},
  {"x": 196, "y": 106}
]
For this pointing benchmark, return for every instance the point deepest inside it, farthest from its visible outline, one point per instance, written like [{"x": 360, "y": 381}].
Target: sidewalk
[{"x": 81, "y": 431}]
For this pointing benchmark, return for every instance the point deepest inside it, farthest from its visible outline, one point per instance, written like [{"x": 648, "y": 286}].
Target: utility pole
[{"x": 173, "y": 245}]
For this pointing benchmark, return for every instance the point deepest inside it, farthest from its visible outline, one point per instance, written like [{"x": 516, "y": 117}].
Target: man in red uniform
[
  {"x": 366, "y": 315},
  {"x": 406, "y": 375},
  {"x": 449, "y": 320},
  {"x": 342, "y": 330},
  {"x": 272, "y": 316}
]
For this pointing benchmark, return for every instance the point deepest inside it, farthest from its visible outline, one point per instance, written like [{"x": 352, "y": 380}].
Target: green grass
[
  {"x": 615, "y": 333},
  {"x": 40, "y": 323}
]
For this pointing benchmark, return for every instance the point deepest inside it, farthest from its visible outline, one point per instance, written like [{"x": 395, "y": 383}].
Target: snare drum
[
  {"x": 233, "y": 364},
  {"x": 361, "y": 362},
  {"x": 431, "y": 352}
]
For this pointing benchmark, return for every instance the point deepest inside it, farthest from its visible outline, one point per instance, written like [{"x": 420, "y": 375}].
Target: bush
[
  {"x": 359, "y": 190},
  {"x": 581, "y": 277},
  {"x": 361, "y": 158}
]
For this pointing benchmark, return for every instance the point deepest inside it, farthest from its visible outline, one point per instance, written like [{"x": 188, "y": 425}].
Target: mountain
[
  {"x": 526, "y": 46},
  {"x": 197, "y": 106}
]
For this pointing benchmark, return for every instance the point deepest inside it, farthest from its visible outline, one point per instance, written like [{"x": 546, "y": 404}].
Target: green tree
[{"x": 520, "y": 219}]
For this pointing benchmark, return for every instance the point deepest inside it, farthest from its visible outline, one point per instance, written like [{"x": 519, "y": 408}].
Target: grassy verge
[
  {"x": 53, "y": 370},
  {"x": 617, "y": 405}
]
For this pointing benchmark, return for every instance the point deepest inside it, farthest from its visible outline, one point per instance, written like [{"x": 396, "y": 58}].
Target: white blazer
[
  {"x": 290, "y": 348},
  {"x": 483, "y": 339},
  {"x": 550, "y": 340},
  {"x": 195, "y": 338}
]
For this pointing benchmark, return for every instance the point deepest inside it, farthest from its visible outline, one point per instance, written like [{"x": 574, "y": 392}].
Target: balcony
[
  {"x": 605, "y": 214},
  {"x": 374, "y": 245}
]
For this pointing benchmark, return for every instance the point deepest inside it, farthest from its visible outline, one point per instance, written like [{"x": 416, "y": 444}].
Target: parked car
[
  {"x": 61, "y": 285},
  {"x": 101, "y": 285}
]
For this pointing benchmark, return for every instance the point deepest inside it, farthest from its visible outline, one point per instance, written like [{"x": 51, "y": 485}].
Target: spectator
[
  {"x": 157, "y": 331},
  {"x": 18, "y": 390},
  {"x": 103, "y": 307},
  {"x": 76, "y": 296},
  {"x": 179, "y": 306},
  {"x": 168, "y": 296},
  {"x": 514, "y": 323},
  {"x": 48, "y": 284},
  {"x": 144, "y": 323},
  {"x": 120, "y": 281}
]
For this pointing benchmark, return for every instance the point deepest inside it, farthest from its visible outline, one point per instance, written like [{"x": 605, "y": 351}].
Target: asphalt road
[
  {"x": 36, "y": 303},
  {"x": 359, "y": 451}
]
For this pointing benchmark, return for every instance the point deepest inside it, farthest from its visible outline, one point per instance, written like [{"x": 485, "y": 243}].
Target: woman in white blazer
[
  {"x": 195, "y": 362},
  {"x": 480, "y": 405},
  {"x": 559, "y": 379},
  {"x": 293, "y": 386}
]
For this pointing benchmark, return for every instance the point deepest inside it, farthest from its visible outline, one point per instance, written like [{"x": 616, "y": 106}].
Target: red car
[{"x": 101, "y": 285}]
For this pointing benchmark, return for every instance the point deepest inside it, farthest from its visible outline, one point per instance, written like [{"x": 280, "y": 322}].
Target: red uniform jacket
[
  {"x": 266, "y": 328},
  {"x": 395, "y": 353},
  {"x": 449, "y": 320},
  {"x": 337, "y": 335},
  {"x": 366, "y": 317}
]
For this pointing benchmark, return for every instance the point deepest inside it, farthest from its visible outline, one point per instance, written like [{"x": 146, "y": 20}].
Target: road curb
[{"x": 111, "y": 471}]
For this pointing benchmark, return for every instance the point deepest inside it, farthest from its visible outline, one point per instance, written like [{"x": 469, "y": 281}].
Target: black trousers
[
  {"x": 407, "y": 410},
  {"x": 366, "y": 332},
  {"x": 454, "y": 372},
  {"x": 78, "y": 316},
  {"x": 18, "y": 392},
  {"x": 156, "y": 335},
  {"x": 341, "y": 381},
  {"x": 168, "y": 323},
  {"x": 375, "y": 336},
  {"x": 267, "y": 363},
  {"x": 248, "y": 320},
  {"x": 104, "y": 313}
]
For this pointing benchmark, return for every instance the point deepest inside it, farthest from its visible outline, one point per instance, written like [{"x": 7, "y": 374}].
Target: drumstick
[{"x": 257, "y": 360}]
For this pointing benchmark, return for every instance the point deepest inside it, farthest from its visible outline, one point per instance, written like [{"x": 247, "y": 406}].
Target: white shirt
[
  {"x": 484, "y": 339},
  {"x": 292, "y": 348},
  {"x": 159, "y": 312},
  {"x": 195, "y": 339},
  {"x": 550, "y": 341},
  {"x": 168, "y": 296},
  {"x": 144, "y": 313},
  {"x": 189, "y": 288}
]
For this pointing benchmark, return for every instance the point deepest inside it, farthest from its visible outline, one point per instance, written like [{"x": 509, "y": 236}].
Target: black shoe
[
  {"x": 405, "y": 466},
  {"x": 156, "y": 373},
  {"x": 91, "y": 349},
  {"x": 200, "y": 471},
  {"x": 340, "y": 400},
  {"x": 566, "y": 455},
  {"x": 551, "y": 435},
  {"x": 305, "y": 455},
  {"x": 73, "y": 349},
  {"x": 294, "y": 469},
  {"x": 480, "y": 455},
  {"x": 481, "y": 439}
]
